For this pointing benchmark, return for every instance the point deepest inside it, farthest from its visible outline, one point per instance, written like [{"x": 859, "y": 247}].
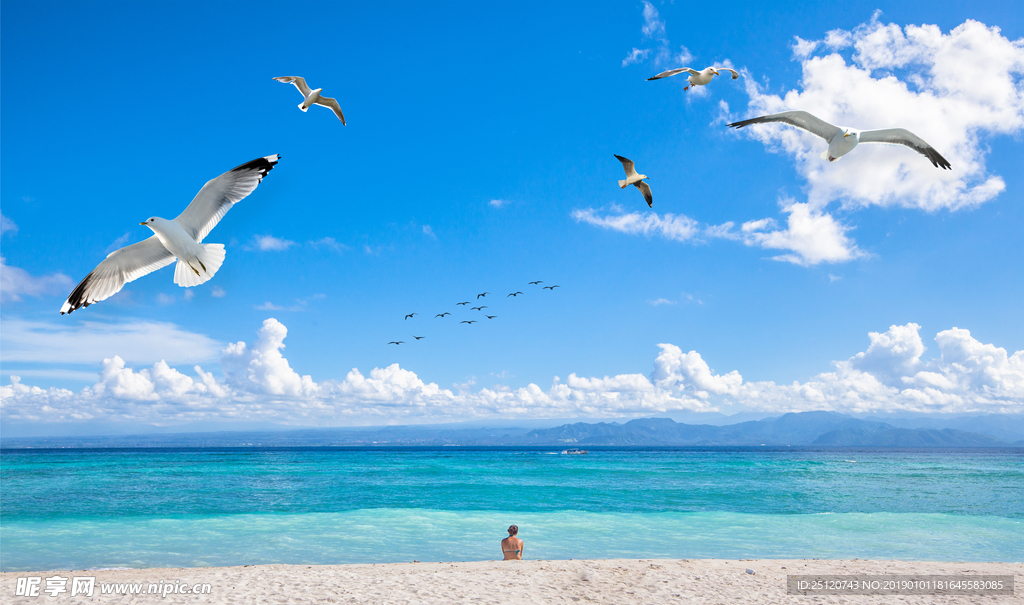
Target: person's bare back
[{"x": 512, "y": 547}]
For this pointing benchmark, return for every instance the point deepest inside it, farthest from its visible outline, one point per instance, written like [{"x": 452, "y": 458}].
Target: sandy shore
[{"x": 575, "y": 581}]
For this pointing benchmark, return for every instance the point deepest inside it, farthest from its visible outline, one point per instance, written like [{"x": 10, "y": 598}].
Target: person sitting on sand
[{"x": 512, "y": 547}]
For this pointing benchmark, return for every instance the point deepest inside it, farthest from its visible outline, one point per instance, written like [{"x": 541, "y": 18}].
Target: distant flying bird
[
  {"x": 636, "y": 180},
  {"x": 490, "y": 316},
  {"x": 179, "y": 238},
  {"x": 514, "y": 294},
  {"x": 841, "y": 140},
  {"x": 397, "y": 342},
  {"x": 410, "y": 315},
  {"x": 482, "y": 295},
  {"x": 442, "y": 314},
  {"x": 468, "y": 322},
  {"x": 418, "y": 337},
  {"x": 312, "y": 97},
  {"x": 481, "y": 308},
  {"x": 463, "y": 303},
  {"x": 551, "y": 287},
  {"x": 534, "y": 283},
  {"x": 696, "y": 78}
]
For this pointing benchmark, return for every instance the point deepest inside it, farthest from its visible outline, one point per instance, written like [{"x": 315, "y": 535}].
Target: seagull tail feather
[
  {"x": 302, "y": 106},
  {"x": 622, "y": 184},
  {"x": 211, "y": 257},
  {"x": 824, "y": 155}
]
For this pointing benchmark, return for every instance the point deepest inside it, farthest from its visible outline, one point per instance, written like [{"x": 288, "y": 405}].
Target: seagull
[
  {"x": 418, "y": 337},
  {"x": 442, "y": 314},
  {"x": 479, "y": 308},
  {"x": 463, "y": 303},
  {"x": 552, "y": 288},
  {"x": 490, "y": 316},
  {"x": 534, "y": 283},
  {"x": 482, "y": 295},
  {"x": 514, "y": 294},
  {"x": 841, "y": 140},
  {"x": 180, "y": 238},
  {"x": 397, "y": 342},
  {"x": 409, "y": 315},
  {"x": 696, "y": 78},
  {"x": 468, "y": 322},
  {"x": 636, "y": 180},
  {"x": 312, "y": 97}
]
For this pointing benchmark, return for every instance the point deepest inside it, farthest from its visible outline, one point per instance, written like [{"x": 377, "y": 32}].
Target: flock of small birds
[
  {"x": 181, "y": 238},
  {"x": 479, "y": 308}
]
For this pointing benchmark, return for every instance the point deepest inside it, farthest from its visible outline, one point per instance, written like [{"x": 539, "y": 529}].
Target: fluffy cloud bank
[
  {"x": 956, "y": 90},
  {"x": 952, "y": 89},
  {"x": 259, "y": 384}
]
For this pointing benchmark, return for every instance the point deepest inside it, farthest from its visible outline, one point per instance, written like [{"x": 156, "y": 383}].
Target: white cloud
[
  {"x": 812, "y": 236},
  {"x": 164, "y": 299},
  {"x": 16, "y": 283},
  {"x": 189, "y": 294},
  {"x": 218, "y": 292},
  {"x": 88, "y": 342},
  {"x": 7, "y": 225},
  {"x": 498, "y": 203},
  {"x": 330, "y": 243},
  {"x": 662, "y": 301},
  {"x": 118, "y": 243},
  {"x": 429, "y": 232},
  {"x": 636, "y": 55},
  {"x": 653, "y": 26},
  {"x": 954, "y": 90},
  {"x": 271, "y": 243},
  {"x": 259, "y": 384},
  {"x": 675, "y": 227},
  {"x": 803, "y": 48}
]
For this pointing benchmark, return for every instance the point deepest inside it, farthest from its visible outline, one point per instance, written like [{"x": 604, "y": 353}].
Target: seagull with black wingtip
[{"x": 636, "y": 180}]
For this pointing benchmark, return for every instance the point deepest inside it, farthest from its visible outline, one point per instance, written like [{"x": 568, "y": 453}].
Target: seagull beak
[
  {"x": 846, "y": 134},
  {"x": 143, "y": 223}
]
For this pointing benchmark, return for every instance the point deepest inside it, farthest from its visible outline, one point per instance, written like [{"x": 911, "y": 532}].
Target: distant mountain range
[{"x": 827, "y": 429}]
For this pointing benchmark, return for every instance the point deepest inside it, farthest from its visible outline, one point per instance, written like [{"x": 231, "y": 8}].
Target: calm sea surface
[{"x": 80, "y": 509}]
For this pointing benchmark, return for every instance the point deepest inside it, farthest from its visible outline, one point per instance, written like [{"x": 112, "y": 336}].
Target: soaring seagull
[
  {"x": 482, "y": 295},
  {"x": 410, "y": 315},
  {"x": 481, "y": 308},
  {"x": 180, "y": 238},
  {"x": 490, "y": 316},
  {"x": 463, "y": 303},
  {"x": 442, "y": 314},
  {"x": 534, "y": 283},
  {"x": 841, "y": 140},
  {"x": 312, "y": 97},
  {"x": 552, "y": 288},
  {"x": 636, "y": 180},
  {"x": 468, "y": 322},
  {"x": 696, "y": 78},
  {"x": 514, "y": 294},
  {"x": 397, "y": 342},
  {"x": 418, "y": 337}
]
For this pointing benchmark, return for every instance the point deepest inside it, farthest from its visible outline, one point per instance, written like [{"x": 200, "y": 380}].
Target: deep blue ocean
[{"x": 86, "y": 509}]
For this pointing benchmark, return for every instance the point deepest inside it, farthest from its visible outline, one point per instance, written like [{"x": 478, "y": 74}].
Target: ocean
[{"x": 104, "y": 508}]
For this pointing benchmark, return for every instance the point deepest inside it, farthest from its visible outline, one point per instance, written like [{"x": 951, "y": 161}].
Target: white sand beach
[{"x": 573, "y": 581}]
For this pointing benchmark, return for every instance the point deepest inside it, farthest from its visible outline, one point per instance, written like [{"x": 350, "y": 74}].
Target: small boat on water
[{"x": 575, "y": 451}]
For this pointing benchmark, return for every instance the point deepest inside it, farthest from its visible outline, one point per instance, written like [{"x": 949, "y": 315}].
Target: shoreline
[{"x": 530, "y": 581}]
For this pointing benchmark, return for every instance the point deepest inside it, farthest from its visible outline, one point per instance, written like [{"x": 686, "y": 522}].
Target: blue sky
[{"x": 478, "y": 156}]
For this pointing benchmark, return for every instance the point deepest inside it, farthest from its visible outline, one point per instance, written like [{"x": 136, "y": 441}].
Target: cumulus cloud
[
  {"x": 498, "y": 203},
  {"x": 955, "y": 90},
  {"x": 218, "y": 292},
  {"x": 810, "y": 236},
  {"x": 653, "y": 26},
  {"x": 16, "y": 283},
  {"x": 636, "y": 55},
  {"x": 258, "y": 383},
  {"x": 271, "y": 243}
]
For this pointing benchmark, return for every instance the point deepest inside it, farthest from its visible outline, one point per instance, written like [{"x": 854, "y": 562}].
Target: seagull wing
[
  {"x": 218, "y": 196},
  {"x": 332, "y": 104},
  {"x": 902, "y": 136},
  {"x": 800, "y": 119},
  {"x": 672, "y": 72},
  {"x": 299, "y": 83},
  {"x": 627, "y": 165},
  {"x": 646, "y": 190},
  {"x": 120, "y": 267},
  {"x": 735, "y": 74}
]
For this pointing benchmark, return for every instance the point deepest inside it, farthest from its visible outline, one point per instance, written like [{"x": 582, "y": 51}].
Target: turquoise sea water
[{"x": 78, "y": 509}]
